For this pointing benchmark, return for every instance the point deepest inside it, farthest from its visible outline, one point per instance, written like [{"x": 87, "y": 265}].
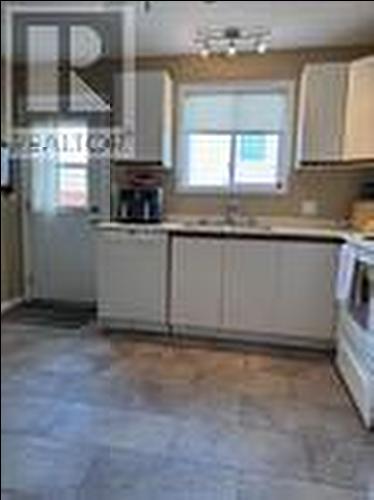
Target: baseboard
[{"x": 8, "y": 305}]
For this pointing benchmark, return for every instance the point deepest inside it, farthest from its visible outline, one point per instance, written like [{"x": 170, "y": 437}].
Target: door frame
[{"x": 28, "y": 278}]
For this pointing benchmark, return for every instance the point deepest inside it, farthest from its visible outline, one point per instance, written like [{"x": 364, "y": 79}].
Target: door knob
[{"x": 95, "y": 210}]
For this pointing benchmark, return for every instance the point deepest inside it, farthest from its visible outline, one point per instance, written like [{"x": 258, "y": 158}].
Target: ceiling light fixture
[{"x": 232, "y": 40}]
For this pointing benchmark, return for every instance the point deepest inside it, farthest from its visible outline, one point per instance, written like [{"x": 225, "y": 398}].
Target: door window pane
[
  {"x": 73, "y": 187},
  {"x": 73, "y": 184},
  {"x": 72, "y": 144}
]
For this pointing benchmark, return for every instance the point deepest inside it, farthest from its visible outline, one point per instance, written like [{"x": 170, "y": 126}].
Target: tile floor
[{"x": 87, "y": 416}]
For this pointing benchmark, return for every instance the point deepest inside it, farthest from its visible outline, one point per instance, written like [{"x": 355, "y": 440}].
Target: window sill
[{"x": 255, "y": 190}]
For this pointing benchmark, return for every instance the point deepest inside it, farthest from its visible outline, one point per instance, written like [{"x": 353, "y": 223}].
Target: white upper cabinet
[
  {"x": 360, "y": 111},
  {"x": 336, "y": 116},
  {"x": 323, "y": 94},
  {"x": 154, "y": 111}
]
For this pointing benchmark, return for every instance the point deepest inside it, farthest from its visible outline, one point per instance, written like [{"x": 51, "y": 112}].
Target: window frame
[{"x": 287, "y": 137}]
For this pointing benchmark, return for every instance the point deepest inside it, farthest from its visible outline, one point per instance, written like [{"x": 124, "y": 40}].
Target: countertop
[{"x": 276, "y": 230}]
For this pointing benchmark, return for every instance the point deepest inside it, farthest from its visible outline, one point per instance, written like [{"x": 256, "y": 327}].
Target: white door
[
  {"x": 68, "y": 192},
  {"x": 250, "y": 286},
  {"x": 196, "y": 282}
]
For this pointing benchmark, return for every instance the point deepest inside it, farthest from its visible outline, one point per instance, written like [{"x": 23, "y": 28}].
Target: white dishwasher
[{"x": 132, "y": 276}]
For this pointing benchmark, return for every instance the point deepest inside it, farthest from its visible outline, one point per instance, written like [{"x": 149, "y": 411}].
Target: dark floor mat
[{"x": 59, "y": 315}]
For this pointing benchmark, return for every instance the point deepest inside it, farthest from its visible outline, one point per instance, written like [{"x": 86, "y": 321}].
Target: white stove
[{"x": 355, "y": 357}]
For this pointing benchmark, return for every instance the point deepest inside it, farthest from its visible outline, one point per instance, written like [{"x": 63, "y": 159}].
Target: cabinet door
[
  {"x": 132, "y": 277},
  {"x": 153, "y": 117},
  {"x": 305, "y": 300},
  {"x": 359, "y": 143},
  {"x": 196, "y": 282},
  {"x": 322, "y": 112},
  {"x": 250, "y": 285}
]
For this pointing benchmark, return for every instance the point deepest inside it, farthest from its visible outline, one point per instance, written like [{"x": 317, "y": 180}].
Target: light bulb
[
  {"x": 232, "y": 49},
  {"x": 205, "y": 51},
  {"x": 261, "y": 46}
]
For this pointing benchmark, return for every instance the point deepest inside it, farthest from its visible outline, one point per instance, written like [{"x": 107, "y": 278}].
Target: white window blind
[
  {"x": 233, "y": 138},
  {"x": 234, "y": 112}
]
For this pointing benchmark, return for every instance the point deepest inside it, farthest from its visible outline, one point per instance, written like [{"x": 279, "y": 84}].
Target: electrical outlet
[{"x": 309, "y": 208}]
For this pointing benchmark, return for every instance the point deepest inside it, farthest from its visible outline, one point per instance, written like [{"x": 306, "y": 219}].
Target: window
[
  {"x": 72, "y": 167},
  {"x": 72, "y": 144},
  {"x": 72, "y": 187},
  {"x": 235, "y": 138},
  {"x": 60, "y": 175}
]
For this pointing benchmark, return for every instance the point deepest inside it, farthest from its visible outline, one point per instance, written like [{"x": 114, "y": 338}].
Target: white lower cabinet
[
  {"x": 132, "y": 271},
  {"x": 196, "y": 292},
  {"x": 250, "y": 285},
  {"x": 305, "y": 298},
  {"x": 245, "y": 288}
]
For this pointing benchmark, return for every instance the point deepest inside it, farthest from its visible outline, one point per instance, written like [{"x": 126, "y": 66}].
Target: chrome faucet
[{"x": 232, "y": 210}]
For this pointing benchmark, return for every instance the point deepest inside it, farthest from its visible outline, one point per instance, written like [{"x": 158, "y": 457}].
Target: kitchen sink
[
  {"x": 244, "y": 222},
  {"x": 264, "y": 224}
]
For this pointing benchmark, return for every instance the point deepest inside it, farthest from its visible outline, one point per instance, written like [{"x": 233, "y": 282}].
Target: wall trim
[{"x": 8, "y": 305}]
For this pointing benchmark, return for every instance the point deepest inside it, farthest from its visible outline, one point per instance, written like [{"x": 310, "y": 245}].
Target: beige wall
[{"x": 333, "y": 191}]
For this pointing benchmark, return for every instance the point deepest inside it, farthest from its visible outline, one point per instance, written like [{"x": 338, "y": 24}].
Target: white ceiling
[{"x": 171, "y": 26}]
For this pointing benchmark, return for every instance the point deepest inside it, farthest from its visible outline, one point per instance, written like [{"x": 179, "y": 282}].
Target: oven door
[{"x": 359, "y": 300}]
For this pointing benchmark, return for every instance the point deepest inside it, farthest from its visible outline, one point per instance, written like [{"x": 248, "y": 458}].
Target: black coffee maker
[
  {"x": 139, "y": 192},
  {"x": 140, "y": 205}
]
